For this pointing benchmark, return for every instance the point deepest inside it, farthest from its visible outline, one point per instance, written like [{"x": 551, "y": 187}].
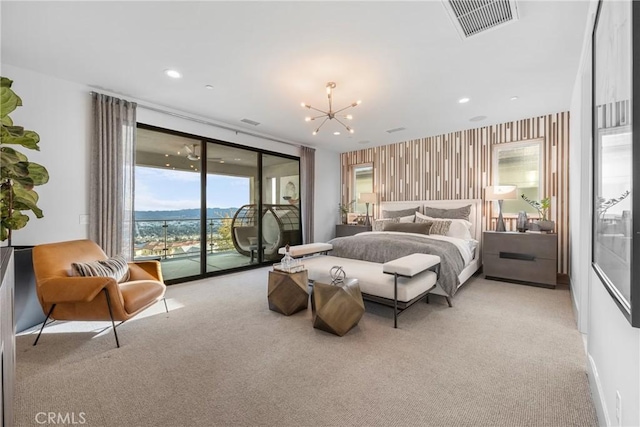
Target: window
[
  {"x": 519, "y": 164},
  {"x": 197, "y": 204},
  {"x": 362, "y": 183}
]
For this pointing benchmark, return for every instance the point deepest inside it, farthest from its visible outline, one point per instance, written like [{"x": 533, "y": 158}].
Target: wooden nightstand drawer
[
  {"x": 540, "y": 270},
  {"x": 538, "y": 245}
]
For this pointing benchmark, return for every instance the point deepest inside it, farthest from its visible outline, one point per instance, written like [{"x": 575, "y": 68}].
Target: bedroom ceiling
[{"x": 404, "y": 60}]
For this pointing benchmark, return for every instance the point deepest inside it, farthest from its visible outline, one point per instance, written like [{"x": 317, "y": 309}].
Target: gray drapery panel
[
  {"x": 307, "y": 185},
  {"x": 112, "y": 163}
]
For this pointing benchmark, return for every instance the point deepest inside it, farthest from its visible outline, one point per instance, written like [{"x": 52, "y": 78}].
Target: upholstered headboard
[{"x": 475, "y": 217}]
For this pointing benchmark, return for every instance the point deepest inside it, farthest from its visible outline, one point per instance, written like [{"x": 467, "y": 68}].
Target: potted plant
[
  {"x": 18, "y": 177},
  {"x": 344, "y": 209},
  {"x": 542, "y": 206}
]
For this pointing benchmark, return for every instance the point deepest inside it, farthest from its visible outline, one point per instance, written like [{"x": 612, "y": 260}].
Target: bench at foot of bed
[{"x": 407, "y": 279}]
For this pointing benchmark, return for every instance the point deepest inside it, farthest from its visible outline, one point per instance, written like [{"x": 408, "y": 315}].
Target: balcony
[{"x": 176, "y": 242}]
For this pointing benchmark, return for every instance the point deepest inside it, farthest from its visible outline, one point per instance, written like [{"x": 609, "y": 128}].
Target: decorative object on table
[
  {"x": 331, "y": 114},
  {"x": 287, "y": 292},
  {"x": 18, "y": 175},
  {"x": 367, "y": 198},
  {"x": 337, "y": 275},
  {"x": 288, "y": 263},
  {"x": 543, "y": 206},
  {"x": 521, "y": 222},
  {"x": 337, "y": 308},
  {"x": 344, "y": 209},
  {"x": 500, "y": 193}
]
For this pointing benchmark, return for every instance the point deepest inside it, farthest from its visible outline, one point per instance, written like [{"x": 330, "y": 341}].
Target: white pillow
[
  {"x": 409, "y": 218},
  {"x": 459, "y": 228}
]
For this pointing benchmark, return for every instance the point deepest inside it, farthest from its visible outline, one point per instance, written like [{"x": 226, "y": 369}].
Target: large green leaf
[
  {"x": 4, "y": 232},
  {"x": 24, "y": 199},
  {"x": 9, "y": 101},
  {"x": 7, "y": 121},
  {"x": 17, "y": 221},
  {"x": 17, "y": 135},
  {"x": 38, "y": 173}
]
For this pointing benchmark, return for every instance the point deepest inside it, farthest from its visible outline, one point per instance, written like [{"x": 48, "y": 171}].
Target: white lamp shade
[
  {"x": 368, "y": 198},
  {"x": 500, "y": 192}
]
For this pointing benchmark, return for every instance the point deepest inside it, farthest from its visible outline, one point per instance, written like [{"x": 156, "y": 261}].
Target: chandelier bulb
[
  {"x": 303, "y": 104},
  {"x": 348, "y": 117},
  {"x": 315, "y": 132},
  {"x": 307, "y": 119},
  {"x": 349, "y": 129},
  {"x": 358, "y": 102}
]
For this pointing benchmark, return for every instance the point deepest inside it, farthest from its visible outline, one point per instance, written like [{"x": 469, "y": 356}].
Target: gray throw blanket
[{"x": 382, "y": 248}]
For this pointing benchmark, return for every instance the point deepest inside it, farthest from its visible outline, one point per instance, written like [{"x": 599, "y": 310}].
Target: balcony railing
[{"x": 176, "y": 238}]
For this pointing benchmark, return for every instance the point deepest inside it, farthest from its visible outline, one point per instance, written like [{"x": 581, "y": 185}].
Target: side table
[
  {"x": 337, "y": 308},
  {"x": 287, "y": 292}
]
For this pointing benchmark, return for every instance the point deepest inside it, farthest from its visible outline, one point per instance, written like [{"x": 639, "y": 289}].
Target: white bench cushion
[
  {"x": 411, "y": 265},
  {"x": 370, "y": 277},
  {"x": 308, "y": 249}
]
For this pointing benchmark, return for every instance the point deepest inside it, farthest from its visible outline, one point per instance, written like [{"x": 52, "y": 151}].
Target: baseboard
[
  {"x": 576, "y": 307},
  {"x": 597, "y": 394}
]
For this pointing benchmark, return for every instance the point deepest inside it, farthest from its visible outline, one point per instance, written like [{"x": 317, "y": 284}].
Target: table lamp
[
  {"x": 367, "y": 198},
  {"x": 500, "y": 193}
]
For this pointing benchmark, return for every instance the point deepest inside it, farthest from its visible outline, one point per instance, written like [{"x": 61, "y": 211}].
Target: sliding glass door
[
  {"x": 203, "y": 207},
  {"x": 232, "y": 183}
]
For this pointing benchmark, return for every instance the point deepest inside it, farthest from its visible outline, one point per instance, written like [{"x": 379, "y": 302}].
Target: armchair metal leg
[
  {"x": 164, "y": 300},
  {"x": 113, "y": 323},
  {"x": 44, "y": 323}
]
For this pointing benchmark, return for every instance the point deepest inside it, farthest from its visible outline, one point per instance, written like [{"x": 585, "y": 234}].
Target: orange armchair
[{"x": 67, "y": 297}]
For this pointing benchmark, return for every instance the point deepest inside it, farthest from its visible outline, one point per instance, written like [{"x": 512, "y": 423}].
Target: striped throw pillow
[{"x": 115, "y": 267}]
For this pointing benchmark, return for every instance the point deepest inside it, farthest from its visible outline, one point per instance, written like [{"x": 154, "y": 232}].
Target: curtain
[
  {"x": 112, "y": 163},
  {"x": 307, "y": 182}
]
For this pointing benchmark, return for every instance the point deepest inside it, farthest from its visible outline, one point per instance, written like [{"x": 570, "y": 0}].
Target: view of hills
[{"x": 185, "y": 214}]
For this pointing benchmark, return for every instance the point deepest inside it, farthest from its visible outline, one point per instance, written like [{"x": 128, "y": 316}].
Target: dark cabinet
[{"x": 521, "y": 257}]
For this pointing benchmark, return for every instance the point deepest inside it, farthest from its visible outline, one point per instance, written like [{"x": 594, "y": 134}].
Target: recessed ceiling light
[
  {"x": 221, "y": 161},
  {"x": 166, "y": 155},
  {"x": 209, "y": 87},
  {"x": 336, "y": 133},
  {"x": 167, "y": 165},
  {"x": 477, "y": 118},
  {"x": 237, "y": 159},
  {"x": 191, "y": 166},
  {"x": 513, "y": 98},
  {"x": 463, "y": 100},
  {"x": 173, "y": 74}
]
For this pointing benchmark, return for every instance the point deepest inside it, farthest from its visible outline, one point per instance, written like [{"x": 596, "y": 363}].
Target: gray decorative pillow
[
  {"x": 457, "y": 213},
  {"x": 398, "y": 214},
  {"x": 440, "y": 227},
  {"x": 115, "y": 267},
  {"x": 409, "y": 227},
  {"x": 378, "y": 224}
]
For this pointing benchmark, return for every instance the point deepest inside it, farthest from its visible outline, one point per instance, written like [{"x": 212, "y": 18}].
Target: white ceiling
[{"x": 404, "y": 60}]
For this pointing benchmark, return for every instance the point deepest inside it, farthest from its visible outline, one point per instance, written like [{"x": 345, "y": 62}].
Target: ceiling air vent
[
  {"x": 250, "y": 122},
  {"x": 471, "y": 17},
  {"x": 395, "y": 130}
]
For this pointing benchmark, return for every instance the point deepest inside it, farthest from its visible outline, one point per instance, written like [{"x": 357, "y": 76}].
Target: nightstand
[
  {"x": 521, "y": 257},
  {"x": 343, "y": 230}
]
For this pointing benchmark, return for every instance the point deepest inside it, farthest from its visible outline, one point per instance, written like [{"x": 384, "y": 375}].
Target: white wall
[
  {"x": 60, "y": 111},
  {"x": 613, "y": 346}
]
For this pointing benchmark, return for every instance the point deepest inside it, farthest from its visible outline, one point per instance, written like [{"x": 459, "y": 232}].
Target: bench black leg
[
  {"x": 395, "y": 300},
  {"x": 449, "y": 301}
]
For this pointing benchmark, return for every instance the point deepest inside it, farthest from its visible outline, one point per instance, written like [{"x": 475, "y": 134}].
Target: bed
[{"x": 461, "y": 258}]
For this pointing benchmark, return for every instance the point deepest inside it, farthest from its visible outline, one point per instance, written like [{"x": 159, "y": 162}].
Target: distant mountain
[{"x": 185, "y": 214}]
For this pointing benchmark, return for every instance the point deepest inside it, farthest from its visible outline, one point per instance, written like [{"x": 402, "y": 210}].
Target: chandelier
[{"x": 330, "y": 115}]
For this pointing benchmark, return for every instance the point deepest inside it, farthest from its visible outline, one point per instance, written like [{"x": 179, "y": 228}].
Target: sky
[{"x": 164, "y": 189}]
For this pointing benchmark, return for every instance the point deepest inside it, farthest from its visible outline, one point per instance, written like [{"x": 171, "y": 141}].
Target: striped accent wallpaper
[{"x": 458, "y": 165}]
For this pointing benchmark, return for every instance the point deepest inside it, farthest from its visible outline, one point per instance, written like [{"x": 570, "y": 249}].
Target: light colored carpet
[{"x": 504, "y": 355}]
